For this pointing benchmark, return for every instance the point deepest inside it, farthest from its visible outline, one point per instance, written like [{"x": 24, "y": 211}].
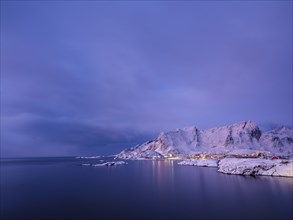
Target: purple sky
[{"x": 94, "y": 77}]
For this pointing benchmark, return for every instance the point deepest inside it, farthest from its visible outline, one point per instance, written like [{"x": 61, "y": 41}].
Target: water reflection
[
  {"x": 141, "y": 190},
  {"x": 162, "y": 174}
]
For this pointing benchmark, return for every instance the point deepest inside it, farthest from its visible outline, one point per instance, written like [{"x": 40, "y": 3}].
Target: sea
[{"x": 60, "y": 188}]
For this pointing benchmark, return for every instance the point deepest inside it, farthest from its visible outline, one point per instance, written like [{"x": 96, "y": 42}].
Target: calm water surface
[{"x": 59, "y": 188}]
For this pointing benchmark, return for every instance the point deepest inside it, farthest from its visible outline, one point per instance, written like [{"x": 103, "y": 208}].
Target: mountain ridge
[{"x": 245, "y": 135}]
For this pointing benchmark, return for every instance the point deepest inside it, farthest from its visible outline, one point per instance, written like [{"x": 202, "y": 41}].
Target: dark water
[{"x": 58, "y": 188}]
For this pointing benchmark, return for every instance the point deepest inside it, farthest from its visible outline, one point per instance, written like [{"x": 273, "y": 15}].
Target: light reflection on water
[
  {"x": 162, "y": 176},
  {"x": 53, "y": 188}
]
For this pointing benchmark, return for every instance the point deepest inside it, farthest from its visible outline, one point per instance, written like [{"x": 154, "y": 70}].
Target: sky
[{"x": 94, "y": 77}]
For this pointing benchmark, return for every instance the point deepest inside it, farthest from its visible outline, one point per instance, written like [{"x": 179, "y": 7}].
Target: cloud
[
  {"x": 37, "y": 135},
  {"x": 78, "y": 74}
]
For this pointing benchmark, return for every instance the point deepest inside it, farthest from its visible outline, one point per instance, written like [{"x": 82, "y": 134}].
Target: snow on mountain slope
[
  {"x": 187, "y": 141},
  {"x": 279, "y": 140},
  {"x": 241, "y": 135}
]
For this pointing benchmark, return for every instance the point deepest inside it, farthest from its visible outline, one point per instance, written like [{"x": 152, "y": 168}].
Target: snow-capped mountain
[
  {"x": 222, "y": 140},
  {"x": 278, "y": 140}
]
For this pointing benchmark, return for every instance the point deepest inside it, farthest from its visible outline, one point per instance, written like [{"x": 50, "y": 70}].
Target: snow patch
[
  {"x": 256, "y": 166},
  {"x": 200, "y": 163}
]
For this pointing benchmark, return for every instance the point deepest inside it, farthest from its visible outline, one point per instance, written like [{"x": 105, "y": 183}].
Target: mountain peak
[
  {"x": 244, "y": 135},
  {"x": 248, "y": 124}
]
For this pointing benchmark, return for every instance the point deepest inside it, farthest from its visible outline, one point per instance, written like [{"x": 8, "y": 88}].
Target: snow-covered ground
[
  {"x": 247, "y": 166},
  {"x": 256, "y": 166},
  {"x": 200, "y": 163}
]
